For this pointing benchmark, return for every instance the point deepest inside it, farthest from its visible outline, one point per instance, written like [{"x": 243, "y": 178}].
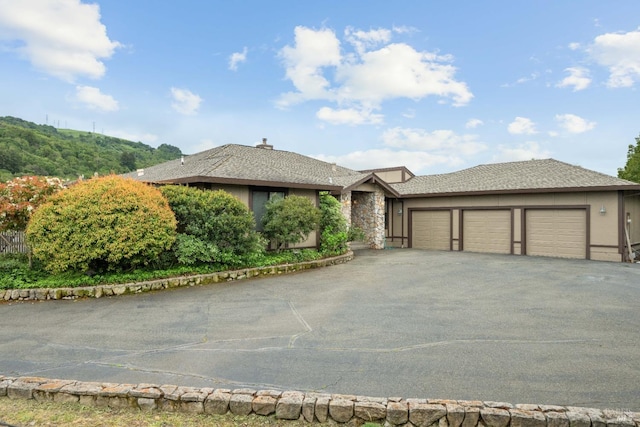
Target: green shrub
[
  {"x": 355, "y": 234},
  {"x": 108, "y": 223},
  {"x": 333, "y": 226},
  {"x": 213, "y": 226},
  {"x": 289, "y": 220}
]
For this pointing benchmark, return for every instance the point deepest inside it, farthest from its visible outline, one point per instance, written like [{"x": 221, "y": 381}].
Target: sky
[{"x": 430, "y": 85}]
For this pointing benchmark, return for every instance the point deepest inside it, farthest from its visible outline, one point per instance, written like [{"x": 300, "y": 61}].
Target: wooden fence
[{"x": 13, "y": 242}]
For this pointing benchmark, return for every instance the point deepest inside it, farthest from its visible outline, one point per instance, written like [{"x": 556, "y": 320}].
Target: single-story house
[{"x": 537, "y": 207}]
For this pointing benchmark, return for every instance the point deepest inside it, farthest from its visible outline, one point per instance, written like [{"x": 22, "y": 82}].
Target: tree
[
  {"x": 631, "y": 170},
  {"x": 21, "y": 196},
  {"x": 289, "y": 220},
  {"x": 128, "y": 160},
  {"x": 107, "y": 223},
  {"x": 213, "y": 226},
  {"x": 333, "y": 225}
]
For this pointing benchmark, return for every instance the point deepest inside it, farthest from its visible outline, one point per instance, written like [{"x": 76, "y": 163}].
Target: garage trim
[{"x": 585, "y": 208}]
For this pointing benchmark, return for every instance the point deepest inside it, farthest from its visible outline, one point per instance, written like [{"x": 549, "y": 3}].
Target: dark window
[{"x": 259, "y": 199}]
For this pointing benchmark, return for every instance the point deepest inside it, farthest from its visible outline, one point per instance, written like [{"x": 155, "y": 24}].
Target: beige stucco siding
[
  {"x": 391, "y": 176},
  {"x": 312, "y": 195},
  {"x": 240, "y": 191}
]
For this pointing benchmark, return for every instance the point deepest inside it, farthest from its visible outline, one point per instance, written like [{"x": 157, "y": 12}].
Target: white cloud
[
  {"x": 237, "y": 58},
  {"x": 399, "y": 71},
  {"x": 441, "y": 141},
  {"x": 620, "y": 53},
  {"x": 185, "y": 101},
  {"x": 349, "y": 116},
  {"x": 522, "y": 125},
  {"x": 416, "y": 161},
  {"x": 578, "y": 78},
  {"x": 523, "y": 80},
  {"x": 64, "y": 38},
  {"x": 574, "y": 46},
  {"x": 527, "y": 151},
  {"x": 96, "y": 100},
  {"x": 313, "y": 50},
  {"x": 473, "y": 123},
  {"x": 363, "y": 78},
  {"x": 364, "y": 40},
  {"x": 574, "y": 124}
]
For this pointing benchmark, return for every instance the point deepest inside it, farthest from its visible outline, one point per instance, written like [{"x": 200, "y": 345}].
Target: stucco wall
[{"x": 632, "y": 207}]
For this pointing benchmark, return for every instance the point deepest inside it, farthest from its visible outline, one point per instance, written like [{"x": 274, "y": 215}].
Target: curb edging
[{"x": 99, "y": 291}]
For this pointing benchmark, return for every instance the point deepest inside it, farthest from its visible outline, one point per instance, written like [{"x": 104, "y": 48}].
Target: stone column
[
  {"x": 368, "y": 210},
  {"x": 345, "y": 202}
]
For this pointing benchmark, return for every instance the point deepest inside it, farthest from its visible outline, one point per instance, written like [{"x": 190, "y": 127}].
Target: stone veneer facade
[
  {"x": 367, "y": 213},
  {"x": 326, "y": 408}
]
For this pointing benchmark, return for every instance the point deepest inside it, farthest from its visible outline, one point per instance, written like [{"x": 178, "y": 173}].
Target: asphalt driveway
[{"x": 390, "y": 323}]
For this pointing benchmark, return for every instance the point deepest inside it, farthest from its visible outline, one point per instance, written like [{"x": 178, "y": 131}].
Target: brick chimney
[{"x": 264, "y": 145}]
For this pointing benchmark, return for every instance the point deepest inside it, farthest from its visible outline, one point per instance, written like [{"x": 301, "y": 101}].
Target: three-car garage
[{"x": 538, "y": 231}]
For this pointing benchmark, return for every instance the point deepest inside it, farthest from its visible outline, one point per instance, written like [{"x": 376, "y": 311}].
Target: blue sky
[{"x": 434, "y": 86}]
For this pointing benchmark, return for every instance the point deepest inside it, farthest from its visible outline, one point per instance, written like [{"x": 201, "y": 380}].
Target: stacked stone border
[
  {"x": 312, "y": 407},
  {"x": 98, "y": 291}
]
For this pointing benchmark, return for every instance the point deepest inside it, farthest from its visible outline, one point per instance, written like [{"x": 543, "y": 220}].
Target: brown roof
[
  {"x": 527, "y": 176},
  {"x": 242, "y": 164},
  {"x": 245, "y": 165}
]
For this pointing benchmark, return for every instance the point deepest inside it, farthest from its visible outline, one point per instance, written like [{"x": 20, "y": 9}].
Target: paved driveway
[{"x": 390, "y": 323}]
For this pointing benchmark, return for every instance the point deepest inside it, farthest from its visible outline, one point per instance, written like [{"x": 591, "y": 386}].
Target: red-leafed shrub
[{"x": 21, "y": 196}]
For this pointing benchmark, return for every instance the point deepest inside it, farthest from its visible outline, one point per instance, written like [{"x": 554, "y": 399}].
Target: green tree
[
  {"x": 108, "y": 223},
  {"x": 631, "y": 170},
  {"x": 128, "y": 160},
  {"x": 333, "y": 225},
  {"x": 289, "y": 220},
  {"x": 213, "y": 226}
]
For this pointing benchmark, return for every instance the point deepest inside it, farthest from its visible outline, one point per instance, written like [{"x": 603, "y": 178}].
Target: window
[{"x": 259, "y": 199}]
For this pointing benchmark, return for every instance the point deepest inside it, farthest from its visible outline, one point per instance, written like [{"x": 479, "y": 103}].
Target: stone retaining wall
[
  {"x": 313, "y": 407},
  {"x": 99, "y": 291}
]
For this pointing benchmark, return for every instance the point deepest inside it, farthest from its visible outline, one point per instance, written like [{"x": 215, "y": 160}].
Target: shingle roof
[
  {"x": 242, "y": 163},
  {"x": 529, "y": 176}
]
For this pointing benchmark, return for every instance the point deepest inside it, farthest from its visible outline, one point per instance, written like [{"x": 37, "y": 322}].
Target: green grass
[{"x": 32, "y": 413}]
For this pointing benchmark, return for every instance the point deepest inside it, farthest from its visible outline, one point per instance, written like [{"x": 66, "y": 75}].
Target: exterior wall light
[{"x": 603, "y": 210}]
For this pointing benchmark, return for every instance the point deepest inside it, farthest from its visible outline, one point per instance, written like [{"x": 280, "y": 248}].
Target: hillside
[{"x": 30, "y": 149}]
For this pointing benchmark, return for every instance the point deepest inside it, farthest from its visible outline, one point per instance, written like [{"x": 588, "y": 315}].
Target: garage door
[
  {"x": 486, "y": 231},
  {"x": 431, "y": 230},
  {"x": 557, "y": 233}
]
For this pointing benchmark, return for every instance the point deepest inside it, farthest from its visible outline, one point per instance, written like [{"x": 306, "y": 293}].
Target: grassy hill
[{"x": 27, "y": 148}]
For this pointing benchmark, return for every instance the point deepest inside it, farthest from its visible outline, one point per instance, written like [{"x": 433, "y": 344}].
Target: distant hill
[{"x": 30, "y": 149}]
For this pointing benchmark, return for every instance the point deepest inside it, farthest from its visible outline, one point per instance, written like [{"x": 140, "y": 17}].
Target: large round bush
[
  {"x": 108, "y": 223},
  {"x": 289, "y": 220},
  {"x": 213, "y": 226}
]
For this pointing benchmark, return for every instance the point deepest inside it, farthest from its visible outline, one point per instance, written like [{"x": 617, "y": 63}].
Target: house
[{"x": 537, "y": 207}]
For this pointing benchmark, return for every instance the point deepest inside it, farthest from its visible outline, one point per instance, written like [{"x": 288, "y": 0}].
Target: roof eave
[
  {"x": 523, "y": 191},
  {"x": 375, "y": 179},
  {"x": 250, "y": 182}
]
